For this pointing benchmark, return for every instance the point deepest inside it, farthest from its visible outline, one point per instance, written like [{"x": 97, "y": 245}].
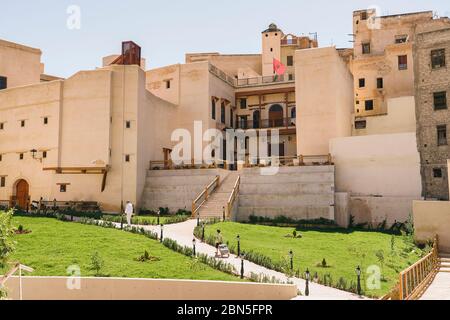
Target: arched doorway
[
  {"x": 256, "y": 117},
  {"x": 22, "y": 194},
  {"x": 276, "y": 116}
]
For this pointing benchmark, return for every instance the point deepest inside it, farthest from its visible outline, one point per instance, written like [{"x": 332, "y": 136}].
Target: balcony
[{"x": 266, "y": 123}]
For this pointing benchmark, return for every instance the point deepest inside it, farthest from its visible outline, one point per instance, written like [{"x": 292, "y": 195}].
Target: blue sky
[{"x": 167, "y": 30}]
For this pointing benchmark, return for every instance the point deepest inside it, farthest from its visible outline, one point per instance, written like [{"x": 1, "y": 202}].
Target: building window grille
[
  {"x": 440, "y": 100},
  {"x": 438, "y": 58},
  {"x": 442, "y": 135}
]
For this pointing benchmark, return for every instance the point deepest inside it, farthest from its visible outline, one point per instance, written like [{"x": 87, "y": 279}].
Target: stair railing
[
  {"x": 233, "y": 197},
  {"x": 204, "y": 195},
  {"x": 415, "y": 279}
]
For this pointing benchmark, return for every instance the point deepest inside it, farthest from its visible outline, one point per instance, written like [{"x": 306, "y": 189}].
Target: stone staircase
[
  {"x": 444, "y": 262},
  {"x": 217, "y": 201}
]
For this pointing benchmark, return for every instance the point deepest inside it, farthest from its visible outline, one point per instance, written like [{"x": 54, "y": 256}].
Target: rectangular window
[
  {"x": 362, "y": 83},
  {"x": 402, "y": 62},
  {"x": 231, "y": 118},
  {"x": 21, "y": 156},
  {"x": 222, "y": 112},
  {"x": 3, "y": 83},
  {"x": 369, "y": 105},
  {"x": 243, "y": 122},
  {"x": 167, "y": 84},
  {"x": 45, "y": 120},
  {"x": 1, "y": 157},
  {"x": 437, "y": 58},
  {"x": 213, "y": 109},
  {"x": 366, "y": 48},
  {"x": 364, "y": 15},
  {"x": 290, "y": 61},
  {"x": 2, "y": 126},
  {"x": 440, "y": 100},
  {"x": 360, "y": 124},
  {"x": 63, "y": 188},
  {"x": 2, "y": 182},
  {"x": 380, "y": 83},
  {"x": 243, "y": 103},
  {"x": 44, "y": 154},
  {"x": 442, "y": 135},
  {"x": 291, "y": 77},
  {"x": 22, "y": 123},
  {"x": 437, "y": 173},
  {"x": 401, "y": 39},
  {"x": 127, "y": 158},
  {"x": 128, "y": 124}
]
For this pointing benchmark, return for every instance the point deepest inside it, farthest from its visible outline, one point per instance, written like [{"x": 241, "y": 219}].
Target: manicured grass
[
  {"x": 53, "y": 246},
  {"x": 343, "y": 250},
  {"x": 148, "y": 220}
]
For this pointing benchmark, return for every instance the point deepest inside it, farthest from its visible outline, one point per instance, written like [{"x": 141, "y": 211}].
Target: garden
[
  {"x": 56, "y": 248},
  {"x": 330, "y": 254}
]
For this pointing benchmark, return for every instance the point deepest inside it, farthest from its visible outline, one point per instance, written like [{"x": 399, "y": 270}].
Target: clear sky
[{"x": 167, "y": 29}]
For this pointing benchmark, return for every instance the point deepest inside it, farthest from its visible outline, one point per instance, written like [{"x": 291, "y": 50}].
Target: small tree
[
  {"x": 380, "y": 257},
  {"x": 97, "y": 263},
  {"x": 7, "y": 244}
]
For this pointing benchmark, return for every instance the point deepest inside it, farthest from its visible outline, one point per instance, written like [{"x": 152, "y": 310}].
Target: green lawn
[
  {"x": 342, "y": 250},
  {"x": 53, "y": 245}
]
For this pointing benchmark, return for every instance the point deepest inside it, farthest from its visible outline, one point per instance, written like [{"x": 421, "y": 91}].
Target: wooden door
[{"x": 22, "y": 192}]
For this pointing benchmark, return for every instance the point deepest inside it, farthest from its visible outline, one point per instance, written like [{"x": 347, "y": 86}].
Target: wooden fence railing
[
  {"x": 415, "y": 279},
  {"x": 204, "y": 195},
  {"x": 301, "y": 160},
  {"x": 233, "y": 196}
]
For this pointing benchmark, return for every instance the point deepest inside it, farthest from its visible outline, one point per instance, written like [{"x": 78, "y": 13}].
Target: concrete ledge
[{"x": 55, "y": 288}]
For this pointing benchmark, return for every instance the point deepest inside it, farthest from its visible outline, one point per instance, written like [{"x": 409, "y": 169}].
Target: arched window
[{"x": 275, "y": 116}]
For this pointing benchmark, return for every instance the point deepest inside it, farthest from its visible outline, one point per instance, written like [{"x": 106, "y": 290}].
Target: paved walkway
[
  {"x": 183, "y": 234},
  {"x": 439, "y": 289}
]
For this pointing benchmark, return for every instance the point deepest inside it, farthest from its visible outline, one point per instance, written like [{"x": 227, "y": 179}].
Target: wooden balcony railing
[
  {"x": 204, "y": 195},
  {"x": 264, "y": 80},
  {"x": 301, "y": 160},
  {"x": 266, "y": 123},
  {"x": 415, "y": 279},
  {"x": 233, "y": 197}
]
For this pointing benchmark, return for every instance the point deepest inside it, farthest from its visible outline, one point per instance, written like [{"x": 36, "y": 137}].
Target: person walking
[
  {"x": 129, "y": 212},
  {"x": 219, "y": 241}
]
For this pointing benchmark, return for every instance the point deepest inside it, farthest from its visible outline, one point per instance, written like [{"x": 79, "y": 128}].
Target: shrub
[{"x": 96, "y": 263}]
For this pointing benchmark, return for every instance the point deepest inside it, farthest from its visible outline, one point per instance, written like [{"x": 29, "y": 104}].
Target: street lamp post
[
  {"x": 238, "y": 238},
  {"x": 157, "y": 222},
  {"x": 307, "y": 276},
  {"x": 203, "y": 232},
  {"x": 162, "y": 234},
  {"x": 358, "y": 274},
  {"x": 198, "y": 218},
  {"x": 223, "y": 214},
  {"x": 193, "y": 247},
  {"x": 291, "y": 256}
]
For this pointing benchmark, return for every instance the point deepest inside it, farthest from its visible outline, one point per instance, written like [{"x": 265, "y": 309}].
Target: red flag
[{"x": 278, "y": 67}]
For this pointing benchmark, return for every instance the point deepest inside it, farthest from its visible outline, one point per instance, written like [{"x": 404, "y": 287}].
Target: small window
[
  {"x": 46, "y": 120},
  {"x": 21, "y": 156},
  {"x": 369, "y": 105},
  {"x": 401, "y": 39},
  {"x": 1, "y": 157},
  {"x": 167, "y": 84},
  {"x": 380, "y": 84},
  {"x": 213, "y": 109},
  {"x": 440, "y": 100},
  {"x": 127, "y": 158},
  {"x": 222, "y": 112},
  {"x": 362, "y": 83},
  {"x": 360, "y": 124},
  {"x": 442, "y": 135},
  {"x": 366, "y": 48},
  {"x": 363, "y": 15},
  {"x": 63, "y": 188},
  {"x": 437, "y": 173},
  {"x": 2, "y": 182},
  {"x": 271, "y": 49},
  {"x": 291, "y": 77},
  {"x": 290, "y": 61},
  {"x": 2, "y": 126},
  {"x": 402, "y": 62},
  {"x": 294, "y": 113},
  {"x": 22, "y": 123},
  {"x": 243, "y": 103},
  {"x": 44, "y": 154},
  {"x": 231, "y": 118},
  {"x": 128, "y": 124},
  {"x": 3, "y": 83},
  {"x": 437, "y": 58}
]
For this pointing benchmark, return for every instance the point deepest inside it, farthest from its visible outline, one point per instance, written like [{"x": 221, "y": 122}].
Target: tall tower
[{"x": 271, "y": 48}]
